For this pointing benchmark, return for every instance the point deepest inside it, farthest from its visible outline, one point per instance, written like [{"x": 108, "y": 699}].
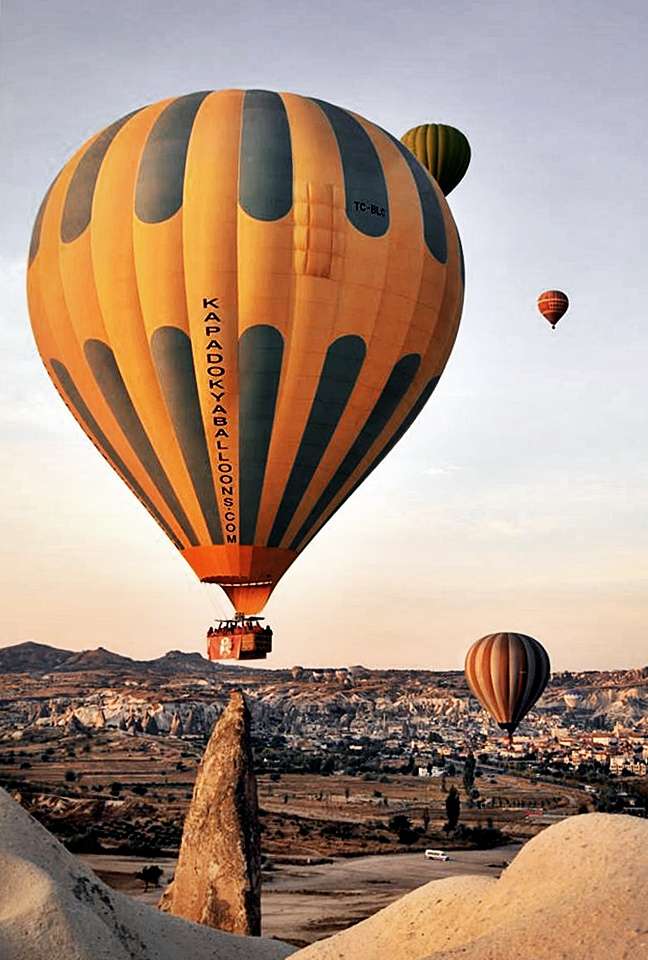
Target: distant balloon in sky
[
  {"x": 507, "y": 672},
  {"x": 444, "y": 151},
  {"x": 553, "y": 304},
  {"x": 245, "y": 299}
]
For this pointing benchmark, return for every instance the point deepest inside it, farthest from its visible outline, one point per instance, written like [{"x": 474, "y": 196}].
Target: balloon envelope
[
  {"x": 553, "y": 304},
  {"x": 245, "y": 299},
  {"x": 443, "y": 150},
  {"x": 507, "y": 672}
]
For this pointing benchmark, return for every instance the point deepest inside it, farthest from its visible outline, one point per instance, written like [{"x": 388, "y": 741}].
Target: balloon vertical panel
[{"x": 116, "y": 280}]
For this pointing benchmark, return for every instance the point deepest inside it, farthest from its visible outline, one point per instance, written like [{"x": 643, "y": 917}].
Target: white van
[{"x": 436, "y": 855}]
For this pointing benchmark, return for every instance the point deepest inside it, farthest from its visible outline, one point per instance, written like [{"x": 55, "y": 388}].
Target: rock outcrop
[
  {"x": 185, "y": 694},
  {"x": 74, "y": 727},
  {"x": 218, "y": 878},
  {"x": 51, "y": 906},
  {"x": 176, "y": 729}
]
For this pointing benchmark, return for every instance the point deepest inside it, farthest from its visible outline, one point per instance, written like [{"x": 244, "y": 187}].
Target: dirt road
[
  {"x": 308, "y": 903},
  {"x": 305, "y": 903}
]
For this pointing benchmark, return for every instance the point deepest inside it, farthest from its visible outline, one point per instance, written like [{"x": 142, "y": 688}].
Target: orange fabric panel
[
  {"x": 57, "y": 337},
  {"x": 439, "y": 346},
  {"x": 119, "y": 300},
  {"x": 308, "y": 319}
]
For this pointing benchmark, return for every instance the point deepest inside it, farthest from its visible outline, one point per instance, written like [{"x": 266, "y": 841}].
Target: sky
[{"x": 518, "y": 500}]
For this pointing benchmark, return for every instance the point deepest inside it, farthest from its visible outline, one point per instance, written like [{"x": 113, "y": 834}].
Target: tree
[
  {"x": 451, "y": 769},
  {"x": 469, "y": 773},
  {"x": 70, "y": 776},
  {"x": 401, "y": 825},
  {"x": 116, "y": 788},
  {"x": 425, "y": 816},
  {"x": 398, "y": 823},
  {"x": 328, "y": 767},
  {"x": 608, "y": 801},
  {"x": 453, "y": 808}
]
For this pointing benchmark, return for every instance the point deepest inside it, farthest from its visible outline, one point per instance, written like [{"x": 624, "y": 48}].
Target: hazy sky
[{"x": 518, "y": 501}]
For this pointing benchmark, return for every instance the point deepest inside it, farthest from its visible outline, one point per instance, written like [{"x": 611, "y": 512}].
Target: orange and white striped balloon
[{"x": 507, "y": 672}]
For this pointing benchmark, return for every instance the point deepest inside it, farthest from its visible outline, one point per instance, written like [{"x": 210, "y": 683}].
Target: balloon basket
[{"x": 243, "y": 638}]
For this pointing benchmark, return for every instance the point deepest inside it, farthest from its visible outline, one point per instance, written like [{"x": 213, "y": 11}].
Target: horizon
[
  {"x": 518, "y": 499},
  {"x": 250, "y": 665}
]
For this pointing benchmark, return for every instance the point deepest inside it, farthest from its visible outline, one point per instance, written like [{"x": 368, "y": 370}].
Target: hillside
[
  {"x": 31, "y": 657},
  {"x": 102, "y": 687},
  {"x": 99, "y": 659}
]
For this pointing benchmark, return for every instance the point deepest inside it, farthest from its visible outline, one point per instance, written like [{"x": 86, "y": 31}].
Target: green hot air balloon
[{"x": 444, "y": 151}]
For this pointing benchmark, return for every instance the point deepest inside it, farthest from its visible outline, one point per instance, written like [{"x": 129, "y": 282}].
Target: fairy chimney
[{"x": 218, "y": 877}]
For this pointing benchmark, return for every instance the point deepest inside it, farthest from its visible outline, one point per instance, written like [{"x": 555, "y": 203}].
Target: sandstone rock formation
[
  {"x": 74, "y": 726},
  {"x": 43, "y": 686},
  {"x": 218, "y": 877},
  {"x": 577, "y": 891},
  {"x": 53, "y": 907},
  {"x": 150, "y": 725},
  {"x": 176, "y": 729}
]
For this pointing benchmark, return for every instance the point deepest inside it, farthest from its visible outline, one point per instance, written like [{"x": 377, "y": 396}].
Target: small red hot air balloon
[{"x": 552, "y": 304}]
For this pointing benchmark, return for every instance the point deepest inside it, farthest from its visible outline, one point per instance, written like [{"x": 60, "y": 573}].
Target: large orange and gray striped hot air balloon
[
  {"x": 443, "y": 150},
  {"x": 507, "y": 672},
  {"x": 553, "y": 304},
  {"x": 245, "y": 299}
]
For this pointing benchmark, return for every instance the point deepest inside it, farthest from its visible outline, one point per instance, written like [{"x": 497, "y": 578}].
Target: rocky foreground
[
  {"x": 51, "y": 906},
  {"x": 576, "y": 891}
]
